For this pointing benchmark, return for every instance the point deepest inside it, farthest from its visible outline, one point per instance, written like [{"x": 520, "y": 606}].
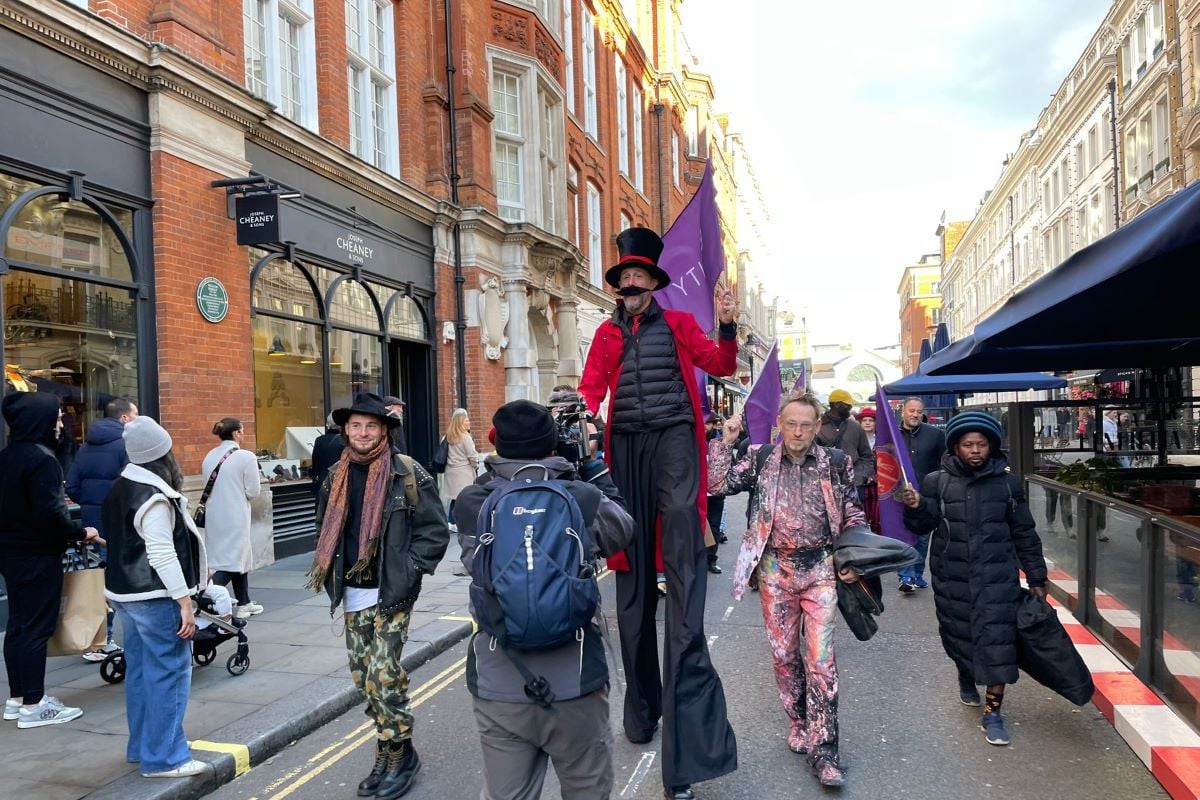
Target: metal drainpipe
[
  {"x": 460, "y": 280},
  {"x": 658, "y": 135},
  {"x": 1112, "y": 113}
]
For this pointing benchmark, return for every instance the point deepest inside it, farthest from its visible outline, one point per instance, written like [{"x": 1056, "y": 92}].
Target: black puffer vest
[
  {"x": 128, "y": 571},
  {"x": 650, "y": 393}
]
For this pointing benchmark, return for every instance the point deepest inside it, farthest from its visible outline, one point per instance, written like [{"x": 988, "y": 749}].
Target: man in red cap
[{"x": 643, "y": 360}]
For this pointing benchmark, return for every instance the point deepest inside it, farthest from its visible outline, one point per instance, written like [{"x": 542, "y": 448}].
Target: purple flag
[
  {"x": 893, "y": 470},
  {"x": 762, "y": 405},
  {"x": 801, "y": 384},
  {"x": 693, "y": 256}
]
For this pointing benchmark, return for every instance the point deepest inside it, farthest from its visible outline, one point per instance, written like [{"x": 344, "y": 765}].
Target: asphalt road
[{"x": 904, "y": 733}]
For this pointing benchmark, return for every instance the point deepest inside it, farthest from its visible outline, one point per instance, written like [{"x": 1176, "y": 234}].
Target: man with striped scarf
[{"x": 382, "y": 527}]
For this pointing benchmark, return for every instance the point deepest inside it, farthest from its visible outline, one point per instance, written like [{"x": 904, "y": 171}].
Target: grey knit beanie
[{"x": 145, "y": 440}]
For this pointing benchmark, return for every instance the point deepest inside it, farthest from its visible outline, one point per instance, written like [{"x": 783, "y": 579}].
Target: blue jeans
[
  {"x": 158, "y": 679},
  {"x": 918, "y": 569}
]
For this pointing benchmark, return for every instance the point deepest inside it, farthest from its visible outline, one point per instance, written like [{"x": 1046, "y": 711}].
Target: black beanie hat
[{"x": 524, "y": 429}]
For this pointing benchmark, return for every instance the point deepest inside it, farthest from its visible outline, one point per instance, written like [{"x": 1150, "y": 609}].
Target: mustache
[{"x": 632, "y": 291}]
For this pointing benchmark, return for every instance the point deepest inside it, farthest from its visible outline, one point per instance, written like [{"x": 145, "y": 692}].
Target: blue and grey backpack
[{"x": 533, "y": 583}]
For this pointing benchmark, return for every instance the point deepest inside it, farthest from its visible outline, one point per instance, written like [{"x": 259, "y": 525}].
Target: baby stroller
[{"x": 204, "y": 644}]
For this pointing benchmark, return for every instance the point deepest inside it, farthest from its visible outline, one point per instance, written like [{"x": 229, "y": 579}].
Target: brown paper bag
[{"x": 82, "y": 614}]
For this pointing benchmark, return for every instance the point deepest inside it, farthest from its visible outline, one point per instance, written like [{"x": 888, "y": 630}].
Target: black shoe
[
  {"x": 968, "y": 694},
  {"x": 679, "y": 793},
  {"x": 714, "y": 569},
  {"x": 371, "y": 783},
  {"x": 641, "y": 738},
  {"x": 403, "y": 765},
  {"x": 722, "y": 539}
]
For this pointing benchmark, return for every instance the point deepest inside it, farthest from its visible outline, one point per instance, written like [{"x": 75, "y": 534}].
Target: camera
[{"x": 571, "y": 418}]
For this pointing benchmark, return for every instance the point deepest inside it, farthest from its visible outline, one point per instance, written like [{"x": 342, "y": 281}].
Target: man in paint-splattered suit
[{"x": 804, "y": 498}]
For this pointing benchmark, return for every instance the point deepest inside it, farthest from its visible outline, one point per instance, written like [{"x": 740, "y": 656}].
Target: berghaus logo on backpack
[{"x": 532, "y": 582}]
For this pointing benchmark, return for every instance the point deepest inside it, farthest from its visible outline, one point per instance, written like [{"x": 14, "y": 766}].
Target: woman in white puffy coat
[{"x": 227, "y": 513}]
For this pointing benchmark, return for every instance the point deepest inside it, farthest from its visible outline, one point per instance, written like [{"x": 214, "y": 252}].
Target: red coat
[{"x": 695, "y": 349}]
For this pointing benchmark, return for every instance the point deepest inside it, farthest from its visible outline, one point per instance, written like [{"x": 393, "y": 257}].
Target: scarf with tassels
[{"x": 379, "y": 475}]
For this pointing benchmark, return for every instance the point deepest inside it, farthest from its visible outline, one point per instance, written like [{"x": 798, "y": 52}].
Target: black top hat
[
  {"x": 638, "y": 247},
  {"x": 365, "y": 403}
]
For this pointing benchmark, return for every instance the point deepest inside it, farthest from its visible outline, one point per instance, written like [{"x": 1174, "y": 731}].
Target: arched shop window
[
  {"x": 70, "y": 286},
  {"x": 406, "y": 320},
  {"x": 355, "y": 339},
  {"x": 289, "y": 376}
]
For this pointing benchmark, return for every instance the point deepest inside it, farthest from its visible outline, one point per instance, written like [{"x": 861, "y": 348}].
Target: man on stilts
[{"x": 643, "y": 358}]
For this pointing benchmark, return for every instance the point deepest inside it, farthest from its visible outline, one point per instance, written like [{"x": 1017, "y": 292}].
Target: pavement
[{"x": 298, "y": 680}]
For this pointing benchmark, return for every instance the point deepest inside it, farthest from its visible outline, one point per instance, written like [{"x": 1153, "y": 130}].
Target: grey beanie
[{"x": 145, "y": 440}]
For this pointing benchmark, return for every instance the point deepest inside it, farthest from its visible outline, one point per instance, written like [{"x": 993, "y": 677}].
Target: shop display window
[
  {"x": 289, "y": 397},
  {"x": 64, "y": 332}
]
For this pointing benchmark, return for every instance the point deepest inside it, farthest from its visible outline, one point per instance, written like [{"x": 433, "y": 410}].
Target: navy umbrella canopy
[
  {"x": 1126, "y": 299},
  {"x": 926, "y": 351},
  {"x": 965, "y": 384}
]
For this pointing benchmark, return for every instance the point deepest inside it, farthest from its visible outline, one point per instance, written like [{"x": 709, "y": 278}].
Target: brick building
[
  {"x": 920, "y": 307},
  {"x": 378, "y": 255}
]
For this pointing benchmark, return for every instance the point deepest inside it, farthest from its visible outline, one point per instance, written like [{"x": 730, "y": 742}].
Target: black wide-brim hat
[
  {"x": 638, "y": 247},
  {"x": 365, "y": 403}
]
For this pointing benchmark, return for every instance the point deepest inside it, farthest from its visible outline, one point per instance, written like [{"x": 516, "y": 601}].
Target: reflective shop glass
[
  {"x": 54, "y": 231},
  {"x": 289, "y": 398},
  {"x": 355, "y": 365},
  {"x": 405, "y": 319},
  {"x": 62, "y": 333}
]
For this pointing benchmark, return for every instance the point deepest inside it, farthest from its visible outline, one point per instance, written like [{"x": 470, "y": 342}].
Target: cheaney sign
[
  {"x": 257, "y": 218},
  {"x": 356, "y": 248}
]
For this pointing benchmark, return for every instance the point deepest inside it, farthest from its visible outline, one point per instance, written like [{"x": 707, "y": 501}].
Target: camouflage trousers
[{"x": 374, "y": 644}]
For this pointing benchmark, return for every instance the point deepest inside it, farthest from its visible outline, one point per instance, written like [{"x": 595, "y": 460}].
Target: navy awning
[
  {"x": 965, "y": 384},
  {"x": 1126, "y": 299}
]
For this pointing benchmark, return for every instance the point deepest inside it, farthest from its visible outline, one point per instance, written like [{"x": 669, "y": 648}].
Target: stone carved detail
[
  {"x": 510, "y": 28},
  {"x": 546, "y": 53},
  {"x": 493, "y": 318}
]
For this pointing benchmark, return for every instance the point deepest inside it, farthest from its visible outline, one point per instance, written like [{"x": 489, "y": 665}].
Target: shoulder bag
[{"x": 200, "y": 514}]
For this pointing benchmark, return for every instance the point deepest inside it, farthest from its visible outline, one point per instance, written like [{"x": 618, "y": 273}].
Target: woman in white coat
[
  {"x": 227, "y": 513},
  {"x": 462, "y": 459}
]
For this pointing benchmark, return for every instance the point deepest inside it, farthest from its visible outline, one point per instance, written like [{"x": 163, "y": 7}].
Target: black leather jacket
[{"x": 413, "y": 540}]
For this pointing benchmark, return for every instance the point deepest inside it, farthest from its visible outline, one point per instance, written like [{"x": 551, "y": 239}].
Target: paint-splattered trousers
[
  {"x": 799, "y": 602},
  {"x": 374, "y": 644}
]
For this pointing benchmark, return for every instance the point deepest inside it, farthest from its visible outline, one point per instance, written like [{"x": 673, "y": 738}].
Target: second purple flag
[{"x": 893, "y": 470}]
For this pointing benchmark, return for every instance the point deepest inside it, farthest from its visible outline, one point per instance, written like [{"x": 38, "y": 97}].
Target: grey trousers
[{"x": 519, "y": 738}]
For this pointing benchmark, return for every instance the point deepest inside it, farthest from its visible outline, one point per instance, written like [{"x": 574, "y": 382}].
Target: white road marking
[
  {"x": 712, "y": 639},
  {"x": 728, "y": 611},
  {"x": 639, "y": 774}
]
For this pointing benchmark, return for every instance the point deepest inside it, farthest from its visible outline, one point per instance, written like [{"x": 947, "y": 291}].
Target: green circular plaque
[{"x": 212, "y": 300}]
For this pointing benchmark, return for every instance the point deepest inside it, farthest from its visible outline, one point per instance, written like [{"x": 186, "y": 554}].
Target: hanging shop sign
[
  {"x": 257, "y": 218},
  {"x": 212, "y": 300}
]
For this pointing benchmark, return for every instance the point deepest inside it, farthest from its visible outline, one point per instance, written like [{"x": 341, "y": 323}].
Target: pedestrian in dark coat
[
  {"x": 981, "y": 534},
  {"x": 327, "y": 451},
  {"x": 97, "y": 464}
]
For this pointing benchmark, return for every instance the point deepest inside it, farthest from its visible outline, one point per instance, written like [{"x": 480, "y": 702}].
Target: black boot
[
  {"x": 679, "y": 793},
  {"x": 403, "y": 764},
  {"x": 371, "y": 782}
]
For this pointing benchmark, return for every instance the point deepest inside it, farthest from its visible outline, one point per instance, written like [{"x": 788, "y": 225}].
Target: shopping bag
[{"x": 82, "y": 614}]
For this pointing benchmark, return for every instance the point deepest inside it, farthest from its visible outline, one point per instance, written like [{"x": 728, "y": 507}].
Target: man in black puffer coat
[{"x": 981, "y": 534}]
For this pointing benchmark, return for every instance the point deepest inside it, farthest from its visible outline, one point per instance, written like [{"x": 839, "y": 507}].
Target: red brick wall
[
  {"x": 333, "y": 72},
  {"x": 206, "y": 371}
]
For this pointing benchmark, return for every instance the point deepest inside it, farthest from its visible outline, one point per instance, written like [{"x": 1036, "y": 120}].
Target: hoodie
[
  {"x": 33, "y": 509},
  {"x": 576, "y": 668},
  {"x": 96, "y": 466}
]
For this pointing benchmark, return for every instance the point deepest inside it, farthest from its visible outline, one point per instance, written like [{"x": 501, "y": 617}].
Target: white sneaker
[
  {"x": 95, "y": 655},
  {"x": 50, "y": 711},
  {"x": 249, "y": 609},
  {"x": 185, "y": 770},
  {"x": 12, "y": 708}
]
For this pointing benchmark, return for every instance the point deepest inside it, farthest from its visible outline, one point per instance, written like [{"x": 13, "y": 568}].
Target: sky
[{"x": 865, "y": 121}]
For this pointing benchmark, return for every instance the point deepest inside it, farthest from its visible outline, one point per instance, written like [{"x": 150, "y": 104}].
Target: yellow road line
[
  {"x": 427, "y": 691},
  {"x": 240, "y": 753}
]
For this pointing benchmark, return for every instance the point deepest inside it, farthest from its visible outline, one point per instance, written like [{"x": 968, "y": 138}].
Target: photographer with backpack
[{"x": 531, "y": 530}]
